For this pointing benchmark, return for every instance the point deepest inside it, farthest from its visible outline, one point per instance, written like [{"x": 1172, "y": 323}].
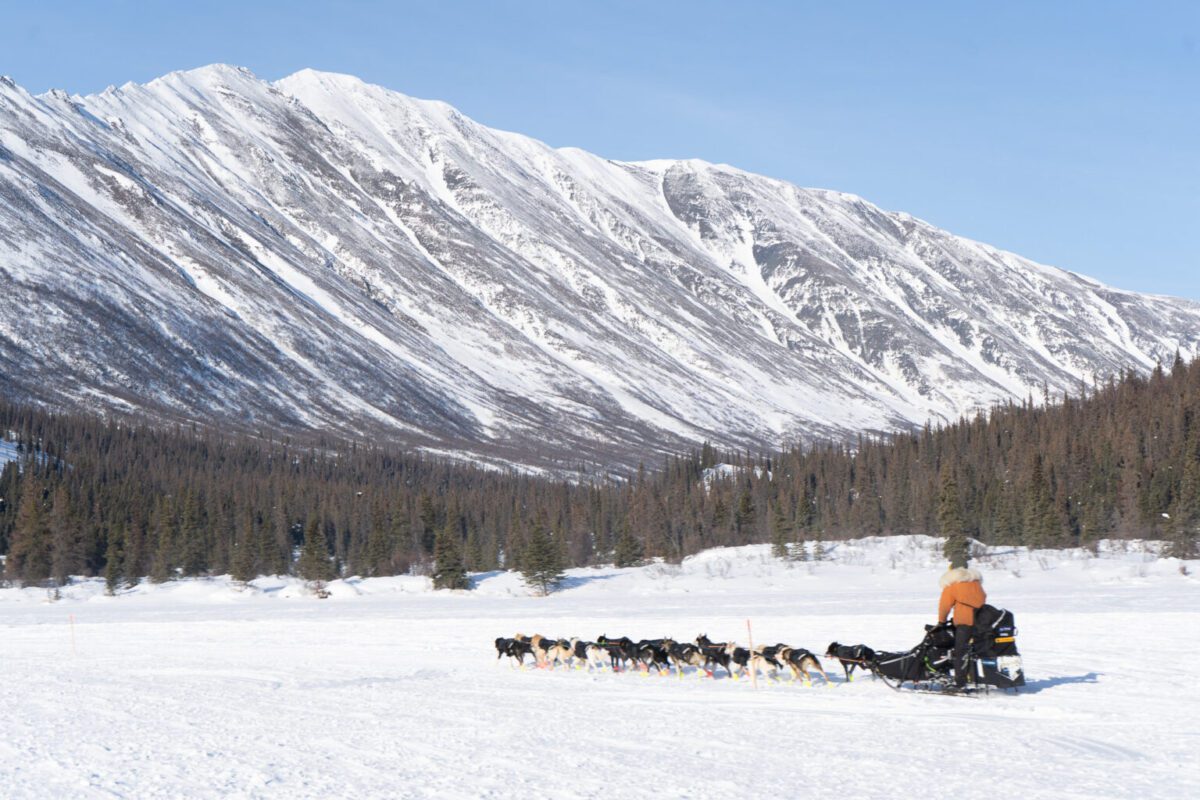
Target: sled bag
[
  {"x": 922, "y": 663},
  {"x": 996, "y": 648},
  {"x": 900, "y": 666},
  {"x": 995, "y": 632}
]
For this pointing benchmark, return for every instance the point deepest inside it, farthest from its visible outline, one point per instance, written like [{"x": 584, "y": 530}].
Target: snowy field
[{"x": 388, "y": 690}]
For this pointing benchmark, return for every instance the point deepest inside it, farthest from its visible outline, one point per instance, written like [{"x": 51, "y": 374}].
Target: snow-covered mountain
[{"x": 322, "y": 254}]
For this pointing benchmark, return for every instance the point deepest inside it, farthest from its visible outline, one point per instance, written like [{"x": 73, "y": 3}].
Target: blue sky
[{"x": 1067, "y": 132}]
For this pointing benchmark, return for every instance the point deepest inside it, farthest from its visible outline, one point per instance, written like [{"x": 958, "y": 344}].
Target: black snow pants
[{"x": 962, "y": 640}]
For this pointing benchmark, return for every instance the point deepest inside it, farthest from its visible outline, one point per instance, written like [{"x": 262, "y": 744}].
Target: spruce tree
[
  {"x": 65, "y": 558},
  {"x": 449, "y": 572},
  {"x": 1041, "y": 521},
  {"x": 160, "y": 563},
  {"x": 314, "y": 564},
  {"x": 541, "y": 560},
  {"x": 191, "y": 538},
  {"x": 275, "y": 546},
  {"x": 818, "y": 553},
  {"x": 379, "y": 545},
  {"x": 243, "y": 568},
  {"x": 951, "y": 523},
  {"x": 628, "y": 551},
  {"x": 745, "y": 516},
  {"x": 133, "y": 557},
  {"x": 428, "y": 522},
  {"x": 1186, "y": 516},
  {"x": 474, "y": 557},
  {"x": 781, "y": 534},
  {"x": 29, "y": 554},
  {"x": 112, "y": 560},
  {"x": 800, "y": 551},
  {"x": 720, "y": 514}
]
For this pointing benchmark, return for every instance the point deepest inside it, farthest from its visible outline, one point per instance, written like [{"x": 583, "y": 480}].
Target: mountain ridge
[{"x": 319, "y": 253}]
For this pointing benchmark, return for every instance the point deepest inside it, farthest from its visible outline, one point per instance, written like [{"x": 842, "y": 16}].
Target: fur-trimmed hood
[{"x": 959, "y": 575}]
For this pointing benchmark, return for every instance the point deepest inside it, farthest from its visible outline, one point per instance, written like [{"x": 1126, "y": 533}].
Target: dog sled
[{"x": 992, "y": 656}]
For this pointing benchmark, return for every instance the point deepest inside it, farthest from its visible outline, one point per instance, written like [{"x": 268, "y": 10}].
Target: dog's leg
[{"x": 824, "y": 677}]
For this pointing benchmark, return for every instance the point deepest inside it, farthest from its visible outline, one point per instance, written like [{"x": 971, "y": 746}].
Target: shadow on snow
[{"x": 1033, "y": 687}]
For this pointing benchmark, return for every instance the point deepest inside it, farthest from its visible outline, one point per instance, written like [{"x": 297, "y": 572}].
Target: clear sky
[{"x": 1068, "y": 132}]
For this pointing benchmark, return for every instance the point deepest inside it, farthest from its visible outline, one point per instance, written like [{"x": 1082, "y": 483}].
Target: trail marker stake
[{"x": 753, "y": 666}]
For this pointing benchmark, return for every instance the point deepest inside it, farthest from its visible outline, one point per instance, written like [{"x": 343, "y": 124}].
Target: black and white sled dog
[
  {"x": 743, "y": 661},
  {"x": 716, "y": 654},
  {"x": 851, "y": 656},
  {"x": 653, "y": 654},
  {"x": 771, "y": 659},
  {"x": 620, "y": 651},
  {"x": 686, "y": 654},
  {"x": 515, "y": 648},
  {"x": 589, "y": 654}
]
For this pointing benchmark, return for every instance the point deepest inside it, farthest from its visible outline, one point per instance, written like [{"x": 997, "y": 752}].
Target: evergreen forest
[{"x": 88, "y": 496}]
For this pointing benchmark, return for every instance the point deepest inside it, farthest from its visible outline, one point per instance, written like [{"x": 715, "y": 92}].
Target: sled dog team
[{"x": 661, "y": 655}]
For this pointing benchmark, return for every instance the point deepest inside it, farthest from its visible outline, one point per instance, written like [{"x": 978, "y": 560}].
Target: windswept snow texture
[
  {"x": 389, "y": 690},
  {"x": 322, "y": 254}
]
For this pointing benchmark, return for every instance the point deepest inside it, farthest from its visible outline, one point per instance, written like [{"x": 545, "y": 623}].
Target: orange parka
[{"x": 962, "y": 590}]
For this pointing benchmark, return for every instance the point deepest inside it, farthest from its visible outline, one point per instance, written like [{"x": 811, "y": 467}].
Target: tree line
[{"x": 86, "y": 496}]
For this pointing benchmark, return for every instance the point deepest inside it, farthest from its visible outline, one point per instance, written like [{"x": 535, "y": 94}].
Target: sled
[{"x": 993, "y": 660}]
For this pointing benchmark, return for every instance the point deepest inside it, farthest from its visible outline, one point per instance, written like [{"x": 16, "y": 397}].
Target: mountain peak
[
  {"x": 309, "y": 82},
  {"x": 310, "y": 75},
  {"x": 207, "y": 76}
]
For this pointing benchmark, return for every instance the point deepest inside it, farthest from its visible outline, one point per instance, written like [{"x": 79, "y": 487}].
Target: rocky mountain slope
[{"x": 322, "y": 254}]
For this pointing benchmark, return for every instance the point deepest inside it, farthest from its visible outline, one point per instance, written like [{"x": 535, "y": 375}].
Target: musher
[{"x": 962, "y": 592}]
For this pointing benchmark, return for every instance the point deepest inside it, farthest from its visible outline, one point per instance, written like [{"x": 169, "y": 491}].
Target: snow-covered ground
[
  {"x": 8, "y": 452},
  {"x": 387, "y": 689}
]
